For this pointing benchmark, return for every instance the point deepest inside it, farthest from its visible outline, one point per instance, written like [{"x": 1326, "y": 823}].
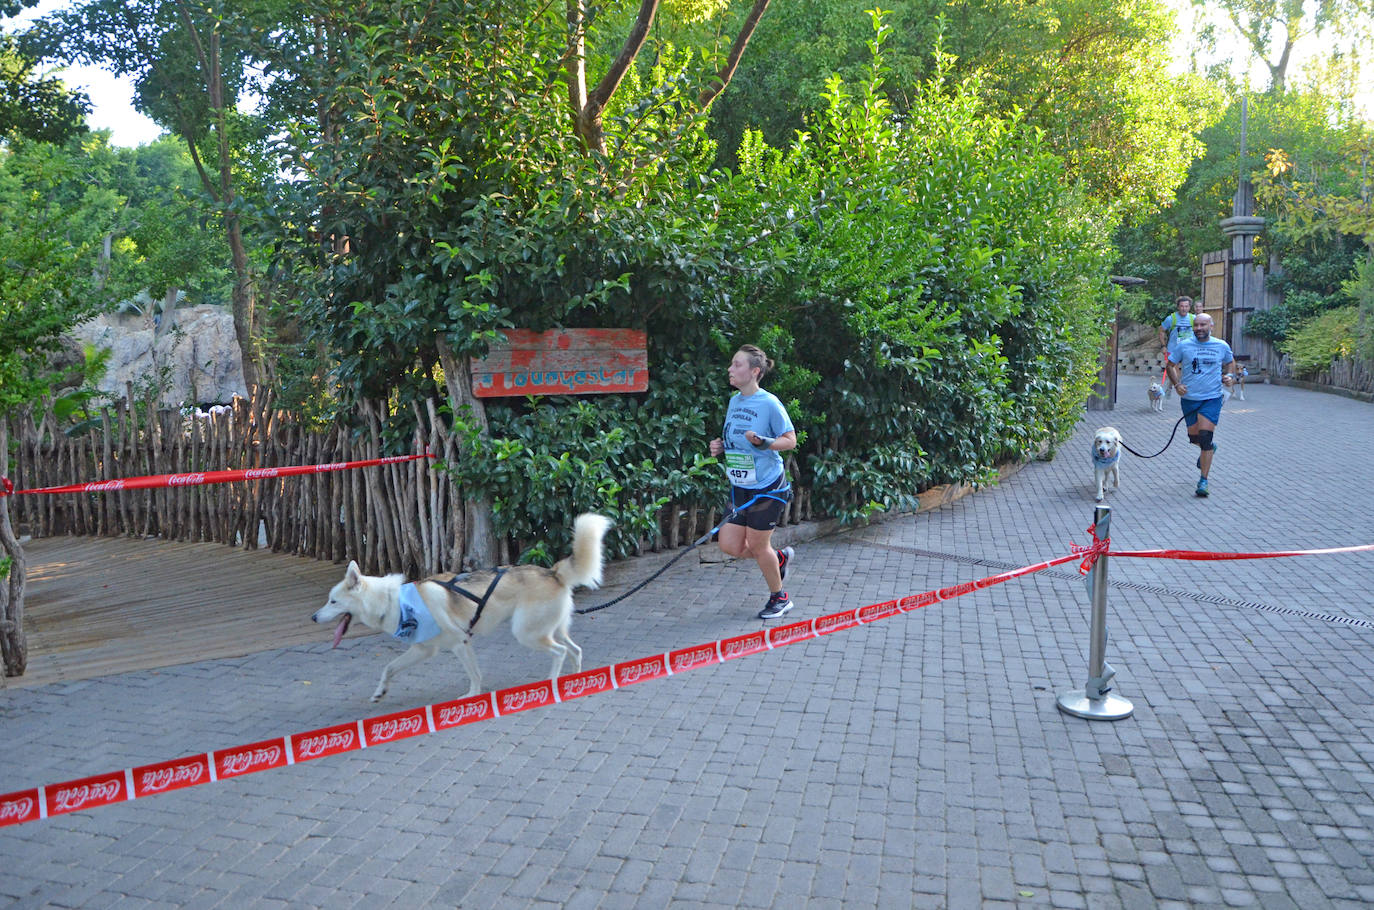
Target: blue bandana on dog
[
  {"x": 416, "y": 623},
  {"x": 1105, "y": 462}
]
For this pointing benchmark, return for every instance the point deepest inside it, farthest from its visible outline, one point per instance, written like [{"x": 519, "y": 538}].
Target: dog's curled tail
[{"x": 583, "y": 567}]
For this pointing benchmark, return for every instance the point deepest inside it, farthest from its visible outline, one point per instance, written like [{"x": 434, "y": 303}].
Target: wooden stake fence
[{"x": 405, "y": 518}]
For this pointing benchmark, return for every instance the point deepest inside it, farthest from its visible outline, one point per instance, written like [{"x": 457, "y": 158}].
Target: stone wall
[{"x": 198, "y": 352}]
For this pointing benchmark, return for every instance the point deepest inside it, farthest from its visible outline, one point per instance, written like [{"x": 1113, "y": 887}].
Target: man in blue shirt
[
  {"x": 1177, "y": 326},
  {"x": 1207, "y": 364}
]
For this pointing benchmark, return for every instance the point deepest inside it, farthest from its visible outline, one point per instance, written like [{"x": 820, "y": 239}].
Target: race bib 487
[{"x": 739, "y": 467}]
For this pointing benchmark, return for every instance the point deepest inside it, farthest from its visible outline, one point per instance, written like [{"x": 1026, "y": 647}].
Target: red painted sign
[{"x": 563, "y": 362}]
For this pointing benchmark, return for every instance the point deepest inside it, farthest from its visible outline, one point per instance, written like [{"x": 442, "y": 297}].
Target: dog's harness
[{"x": 452, "y": 585}]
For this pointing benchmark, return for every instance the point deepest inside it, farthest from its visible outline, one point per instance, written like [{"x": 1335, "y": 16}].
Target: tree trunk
[
  {"x": 244, "y": 301},
  {"x": 587, "y": 107},
  {"x": 243, "y": 297},
  {"x": 479, "y": 549},
  {"x": 14, "y": 647}
]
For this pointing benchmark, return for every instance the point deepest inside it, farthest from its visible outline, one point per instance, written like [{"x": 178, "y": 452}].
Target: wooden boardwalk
[{"x": 97, "y": 606}]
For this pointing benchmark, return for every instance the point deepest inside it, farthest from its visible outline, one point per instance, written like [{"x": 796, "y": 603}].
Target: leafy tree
[
  {"x": 192, "y": 65},
  {"x": 1166, "y": 247},
  {"x": 1271, "y": 29},
  {"x": 50, "y": 241},
  {"x": 450, "y": 197},
  {"x": 166, "y": 246},
  {"x": 942, "y": 300},
  {"x": 1088, "y": 73},
  {"x": 32, "y": 105},
  {"x": 1316, "y": 203},
  {"x": 589, "y": 105}
]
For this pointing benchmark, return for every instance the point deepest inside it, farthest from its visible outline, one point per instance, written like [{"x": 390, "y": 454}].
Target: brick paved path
[{"x": 919, "y": 761}]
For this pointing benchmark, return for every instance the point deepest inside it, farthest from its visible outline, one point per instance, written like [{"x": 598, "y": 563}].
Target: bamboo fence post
[
  {"x": 147, "y": 466},
  {"x": 357, "y": 513}
]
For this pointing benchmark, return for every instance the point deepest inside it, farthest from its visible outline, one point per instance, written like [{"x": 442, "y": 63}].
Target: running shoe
[
  {"x": 785, "y": 556},
  {"x": 777, "y": 605},
  {"x": 1201, "y": 486}
]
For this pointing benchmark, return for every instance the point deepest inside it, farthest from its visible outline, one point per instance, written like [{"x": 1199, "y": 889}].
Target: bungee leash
[
  {"x": 1171, "y": 436},
  {"x": 698, "y": 542}
]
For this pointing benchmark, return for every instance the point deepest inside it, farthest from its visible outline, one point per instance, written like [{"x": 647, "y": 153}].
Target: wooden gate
[{"x": 1216, "y": 292}]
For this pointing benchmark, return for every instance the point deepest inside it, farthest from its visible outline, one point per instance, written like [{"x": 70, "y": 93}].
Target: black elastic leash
[
  {"x": 698, "y": 542},
  {"x": 452, "y": 585},
  {"x": 1171, "y": 436}
]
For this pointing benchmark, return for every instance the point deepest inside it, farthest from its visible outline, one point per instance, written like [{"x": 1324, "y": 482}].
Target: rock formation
[{"x": 194, "y": 359}]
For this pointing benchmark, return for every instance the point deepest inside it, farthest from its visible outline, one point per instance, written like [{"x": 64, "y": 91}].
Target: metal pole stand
[{"x": 1095, "y": 701}]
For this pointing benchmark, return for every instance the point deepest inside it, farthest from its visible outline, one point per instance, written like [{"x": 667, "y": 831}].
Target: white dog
[
  {"x": 1156, "y": 396},
  {"x": 444, "y": 612},
  {"x": 1106, "y": 459},
  {"x": 1238, "y": 382}
]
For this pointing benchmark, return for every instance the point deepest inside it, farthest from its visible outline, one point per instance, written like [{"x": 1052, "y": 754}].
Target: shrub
[{"x": 1321, "y": 340}]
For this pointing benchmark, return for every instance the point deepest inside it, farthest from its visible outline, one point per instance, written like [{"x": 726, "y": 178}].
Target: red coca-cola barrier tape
[
  {"x": 1205, "y": 556},
  {"x": 199, "y": 478},
  {"x": 148, "y": 780}
]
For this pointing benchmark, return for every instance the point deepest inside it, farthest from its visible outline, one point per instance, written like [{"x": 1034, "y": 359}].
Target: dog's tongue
[{"x": 341, "y": 628}]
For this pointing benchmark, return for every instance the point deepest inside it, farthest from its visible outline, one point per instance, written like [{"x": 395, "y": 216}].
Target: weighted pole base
[{"x": 1108, "y": 707}]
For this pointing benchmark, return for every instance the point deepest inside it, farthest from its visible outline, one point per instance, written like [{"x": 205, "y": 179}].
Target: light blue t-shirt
[
  {"x": 746, "y": 465},
  {"x": 1200, "y": 366},
  {"x": 1177, "y": 329}
]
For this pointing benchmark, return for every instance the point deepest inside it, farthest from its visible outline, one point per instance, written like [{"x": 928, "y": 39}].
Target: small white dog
[
  {"x": 444, "y": 612},
  {"x": 1156, "y": 396},
  {"x": 1238, "y": 382},
  {"x": 1106, "y": 460}
]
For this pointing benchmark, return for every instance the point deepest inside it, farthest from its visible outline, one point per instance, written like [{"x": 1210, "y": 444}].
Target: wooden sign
[{"x": 563, "y": 362}]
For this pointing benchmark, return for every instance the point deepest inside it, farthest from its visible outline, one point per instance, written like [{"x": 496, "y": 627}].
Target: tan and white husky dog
[{"x": 434, "y": 616}]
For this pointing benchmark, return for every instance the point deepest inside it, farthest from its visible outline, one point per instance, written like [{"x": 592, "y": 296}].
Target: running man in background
[
  {"x": 1177, "y": 325},
  {"x": 1206, "y": 364}
]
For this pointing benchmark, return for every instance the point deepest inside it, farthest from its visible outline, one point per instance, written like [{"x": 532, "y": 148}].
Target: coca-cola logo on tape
[
  {"x": 878, "y": 611},
  {"x": 687, "y": 658},
  {"x": 328, "y": 741},
  {"x": 84, "y": 794},
  {"x": 395, "y": 726},
  {"x": 245, "y": 759},
  {"x": 104, "y": 485},
  {"x": 629, "y": 673},
  {"x": 171, "y": 775},
  {"x": 787, "y": 634},
  {"x": 956, "y": 590},
  {"x": 462, "y": 711},
  {"x": 335, "y": 466},
  {"x": 916, "y": 601},
  {"x": 16, "y": 808},
  {"x": 588, "y": 683},
  {"x": 835, "y": 622},
  {"x": 741, "y": 645},
  {"x": 523, "y": 698},
  {"x": 185, "y": 480},
  {"x": 256, "y": 473}
]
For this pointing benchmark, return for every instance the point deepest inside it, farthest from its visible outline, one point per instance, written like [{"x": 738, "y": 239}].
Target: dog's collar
[{"x": 1098, "y": 459}]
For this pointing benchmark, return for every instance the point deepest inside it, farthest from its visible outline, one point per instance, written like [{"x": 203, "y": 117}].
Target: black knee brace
[{"x": 1204, "y": 440}]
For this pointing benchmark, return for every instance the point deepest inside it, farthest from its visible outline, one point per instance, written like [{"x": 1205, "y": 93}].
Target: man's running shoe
[
  {"x": 1201, "y": 486},
  {"x": 777, "y": 605},
  {"x": 785, "y": 556}
]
